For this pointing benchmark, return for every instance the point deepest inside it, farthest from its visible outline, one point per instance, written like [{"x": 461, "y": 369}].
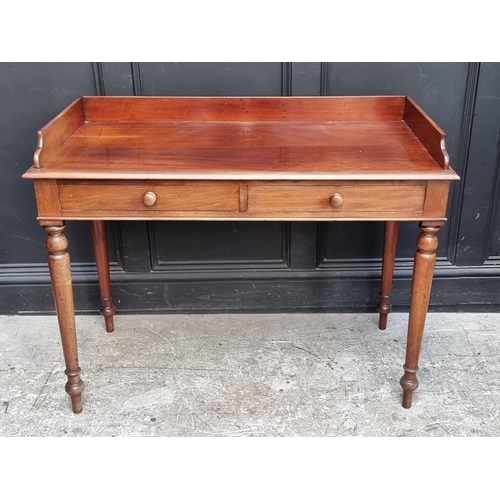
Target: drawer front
[
  {"x": 146, "y": 197},
  {"x": 336, "y": 198}
]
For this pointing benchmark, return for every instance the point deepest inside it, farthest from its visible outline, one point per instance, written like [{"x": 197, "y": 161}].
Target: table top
[{"x": 242, "y": 138}]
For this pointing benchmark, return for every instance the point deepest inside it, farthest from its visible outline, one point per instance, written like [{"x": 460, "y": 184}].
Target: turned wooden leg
[
  {"x": 423, "y": 271},
  {"x": 60, "y": 274},
  {"x": 100, "y": 240},
  {"x": 391, "y": 230}
]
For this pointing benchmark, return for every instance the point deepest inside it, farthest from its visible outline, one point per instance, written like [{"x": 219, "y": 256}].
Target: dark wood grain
[
  {"x": 169, "y": 197},
  {"x": 237, "y": 150},
  {"x": 355, "y": 198},
  {"x": 47, "y": 198},
  {"x": 436, "y": 198},
  {"x": 244, "y": 109},
  {"x": 57, "y": 131},
  {"x": 264, "y": 200},
  {"x": 428, "y": 133}
]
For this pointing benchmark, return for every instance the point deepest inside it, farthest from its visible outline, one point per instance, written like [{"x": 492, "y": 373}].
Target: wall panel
[{"x": 256, "y": 266}]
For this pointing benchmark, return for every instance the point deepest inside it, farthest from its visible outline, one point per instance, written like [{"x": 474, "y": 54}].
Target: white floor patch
[{"x": 156, "y": 397}]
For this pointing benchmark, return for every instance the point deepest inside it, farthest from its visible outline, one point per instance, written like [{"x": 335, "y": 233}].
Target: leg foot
[
  {"x": 108, "y": 310},
  {"x": 382, "y": 320},
  {"x": 74, "y": 387},
  {"x": 409, "y": 383}
]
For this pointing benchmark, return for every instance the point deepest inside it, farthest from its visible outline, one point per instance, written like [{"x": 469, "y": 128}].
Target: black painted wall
[{"x": 256, "y": 266}]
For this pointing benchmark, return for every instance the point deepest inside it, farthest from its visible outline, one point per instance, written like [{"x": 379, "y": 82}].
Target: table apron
[{"x": 235, "y": 200}]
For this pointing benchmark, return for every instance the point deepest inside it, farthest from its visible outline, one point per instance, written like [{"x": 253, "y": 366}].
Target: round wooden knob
[
  {"x": 149, "y": 199},
  {"x": 336, "y": 200}
]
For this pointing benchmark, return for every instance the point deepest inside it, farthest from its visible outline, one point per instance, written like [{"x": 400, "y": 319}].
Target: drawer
[
  {"x": 148, "y": 196},
  {"x": 337, "y": 198}
]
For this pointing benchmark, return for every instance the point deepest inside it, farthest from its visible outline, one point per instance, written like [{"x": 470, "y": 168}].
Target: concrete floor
[{"x": 251, "y": 375}]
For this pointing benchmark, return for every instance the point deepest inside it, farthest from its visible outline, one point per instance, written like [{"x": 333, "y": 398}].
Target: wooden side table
[{"x": 241, "y": 158}]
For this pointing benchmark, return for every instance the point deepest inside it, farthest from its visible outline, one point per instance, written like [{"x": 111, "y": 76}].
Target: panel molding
[
  {"x": 403, "y": 268},
  {"x": 457, "y": 190},
  {"x": 116, "y": 234},
  {"x": 100, "y": 88},
  {"x": 255, "y": 296},
  {"x": 323, "y": 79},
  {"x": 286, "y": 78},
  {"x": 230, "y": 264},
  {"x": 137, "y": 78},
  {"x": 85, "y": 273},
  {"x": 493, "y": 212},
  {"x": 481, "y": 177},
  {"x": 82, "y": 272}
]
